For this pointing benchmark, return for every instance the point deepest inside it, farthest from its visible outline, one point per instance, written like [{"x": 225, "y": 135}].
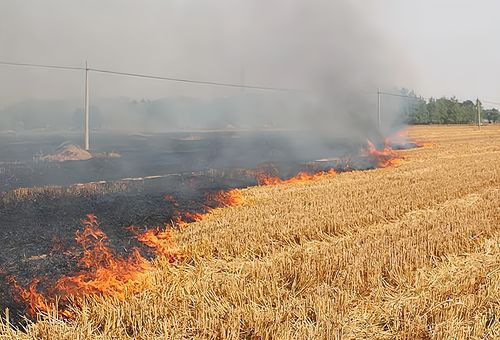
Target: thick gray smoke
[{"x": 327, "y": 53}]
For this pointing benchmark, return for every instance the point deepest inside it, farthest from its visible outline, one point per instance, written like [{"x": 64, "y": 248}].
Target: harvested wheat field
[{"x": 410, "y": 251}]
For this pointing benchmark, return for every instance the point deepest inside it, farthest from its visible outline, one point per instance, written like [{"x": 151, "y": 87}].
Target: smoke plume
[{"x": 328, "y": 55}]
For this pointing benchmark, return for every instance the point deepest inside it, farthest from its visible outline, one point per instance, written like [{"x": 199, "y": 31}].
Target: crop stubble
[{"x": 409, "y": 252}]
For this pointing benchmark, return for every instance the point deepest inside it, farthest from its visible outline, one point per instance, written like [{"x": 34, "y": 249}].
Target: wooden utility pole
[
  {"x": 478, "y": 107},
  {"x": 86, "y": 132}
]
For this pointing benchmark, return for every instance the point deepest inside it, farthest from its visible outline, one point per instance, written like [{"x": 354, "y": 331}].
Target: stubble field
[{"x": 410, "y": 251}]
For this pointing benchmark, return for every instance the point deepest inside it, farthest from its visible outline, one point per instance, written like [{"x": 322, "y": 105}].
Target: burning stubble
[
  {"x": 329, "y": 61},
  {"x": 103, "y": 272}
]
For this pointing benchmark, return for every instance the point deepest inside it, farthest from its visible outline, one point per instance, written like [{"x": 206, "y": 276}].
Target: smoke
[
  {"x": 330, "y": 49},
  {"x": 332, "y": 57},
  {"x": 328, "y": 54}
]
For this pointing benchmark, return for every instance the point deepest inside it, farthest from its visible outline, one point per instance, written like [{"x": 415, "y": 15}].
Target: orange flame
[
  {"x": 105, "y": 273},
  {"x": 191, "y": 217},
  {"x": 161, "y": 241},
  {"x": 213, "y": 201},
  {"x": 301, "y": 177},
  {"x": 402, "y": 137},
  {"x": 382, "y": 158},
  {"x": 224, "y": 199},
  {"x": 32, "y": 297}
]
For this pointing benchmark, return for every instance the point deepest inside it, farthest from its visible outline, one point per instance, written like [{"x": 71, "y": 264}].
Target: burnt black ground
[
  {"x": 156, "y": 154},
  {"x": 38, "y": 236}
]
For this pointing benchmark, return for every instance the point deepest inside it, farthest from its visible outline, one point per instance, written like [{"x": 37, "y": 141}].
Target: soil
[{"x": 68, "y": 153}]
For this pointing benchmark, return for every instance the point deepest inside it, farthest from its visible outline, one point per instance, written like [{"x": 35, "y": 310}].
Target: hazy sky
[
  {"x": 440, "y": 47},
  {"x": 453, "y": 45}
]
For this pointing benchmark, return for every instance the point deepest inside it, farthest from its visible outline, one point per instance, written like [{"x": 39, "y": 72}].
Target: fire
[
  {"x": 213, "y": 201},
  {"x": 102, "y": 273},
  {"x": 105, "y": 273},
  {"x": 301, "y": 177},
  {"x": 224, "y": 199},
  {"x": 384, "y": 157},
  {"x": 402, "y": 140},
  {"x": 32, "y": 297},
  {"x": 161, "y": 241},
  {"x": 191, "y": 217}
]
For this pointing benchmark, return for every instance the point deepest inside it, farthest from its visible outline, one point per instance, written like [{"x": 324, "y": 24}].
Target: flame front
[
  {"x": 301, "y": 177},
  {"x": 382, "y": 157},
  {"x": 32, "y": 297},
  {"x": 161, "y": 241},
  {"x": 224, "y": 199},
  {"x": 103, "y": 272}
]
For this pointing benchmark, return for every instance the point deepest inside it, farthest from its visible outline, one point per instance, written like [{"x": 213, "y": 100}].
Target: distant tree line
[
  {"x": 163, "y": 114},
  {"x": 239, "y": 111},
  {"x": 418, "y": 110}
]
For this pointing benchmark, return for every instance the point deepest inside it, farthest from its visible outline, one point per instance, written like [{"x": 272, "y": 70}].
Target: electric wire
[
  {"x": 139, "y": 75},
  {"x": 43, "y": 66},
  {"x": 192, "y": 81}
]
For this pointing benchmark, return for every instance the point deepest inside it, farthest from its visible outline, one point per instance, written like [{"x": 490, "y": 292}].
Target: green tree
[
  {"x": 446, "y": 111},
  {"x": 415, "y": 108},
  {"x": 492, "y": 115},
  {"x": 443, "y": 110},
  {"x": 467, "y": 113}
]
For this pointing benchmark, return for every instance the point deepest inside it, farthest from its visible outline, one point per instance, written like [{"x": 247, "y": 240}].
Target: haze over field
[
  {"x": 329, "y": 56},
  {"x": 443, "y": 41}
]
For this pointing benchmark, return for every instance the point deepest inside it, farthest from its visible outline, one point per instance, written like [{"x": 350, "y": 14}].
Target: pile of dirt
[{"x": 69, "y": 152}]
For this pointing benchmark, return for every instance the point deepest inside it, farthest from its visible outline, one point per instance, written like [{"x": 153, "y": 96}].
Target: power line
[
  {"x": 149, "y": 76},
  {"x": 192, "y": 81},
  {"x": 401, "y": 95},
  {"x": 490, "y": 102},
  {"x": 42, "y": 66}
]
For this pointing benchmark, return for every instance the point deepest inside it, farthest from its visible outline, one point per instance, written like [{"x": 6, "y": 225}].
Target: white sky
[
  {"x": 449, "y": 47},
  {"x": 454, "y": 45}
]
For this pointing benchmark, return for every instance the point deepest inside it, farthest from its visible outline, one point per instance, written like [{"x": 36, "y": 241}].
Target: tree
[
  {"x": 443, "y": 110},
  {"x": 446, "y": 111},
  {"x": 468, "y": 112},
  {"x": 415, "y": 108},
  {"x": 492, "y": 115}
]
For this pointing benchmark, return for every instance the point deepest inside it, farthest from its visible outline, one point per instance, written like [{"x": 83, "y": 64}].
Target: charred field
[
  {"x": 409, "y": 249},
  {"x": 162, "y": 179}
]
